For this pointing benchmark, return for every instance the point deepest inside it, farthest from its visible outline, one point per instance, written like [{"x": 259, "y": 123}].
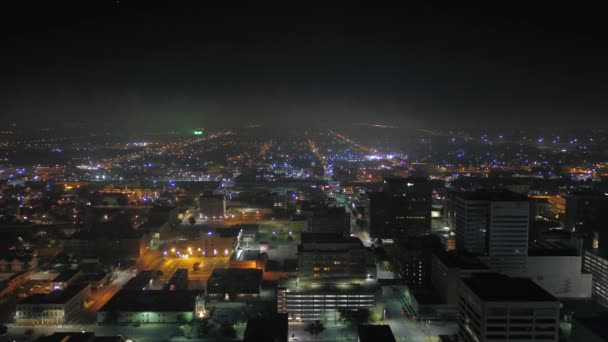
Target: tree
[
  {"x": 355, "y": 317},
  {"x": 315, "y": 328},
  {"x": 192, "y": 220},
  {"x": 227, "y": 330},
  {"x": 3, "y": 329},
  {"x": 203, "y": 327}
]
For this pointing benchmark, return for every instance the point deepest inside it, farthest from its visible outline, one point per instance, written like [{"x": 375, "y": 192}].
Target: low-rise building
[
  {"x": 140, "y": 282},
  {"x": 17, "y": 261},
  {"x": 152, "y": 306},
  {"x": 179, "y": 280},
  {"x": 65, "y": 279},
  {"x": 248, "y": 259},
  {"x": 57, "y": 307},
  {"x": 557, "y": 270},
  {"x": 235, "y": 283}
]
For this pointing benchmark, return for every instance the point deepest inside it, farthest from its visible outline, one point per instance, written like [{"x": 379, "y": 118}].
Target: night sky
[{"x": 131, "y": 66}]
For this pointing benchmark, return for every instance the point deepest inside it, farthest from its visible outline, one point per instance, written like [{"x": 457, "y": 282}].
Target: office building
[
  {"x": 329, "y": 220},
  {"x": 413, "y": 257},
  {"x": 334, "y": 256},
  {"x": 493, "y": 307},
  {"x": 448, "y": 268},
  {"x": 596, "y": 264},
  {"x": 402, "y": 208},
  {"x": 494, "y": 224},
  {"x": 584, "y": 210}
]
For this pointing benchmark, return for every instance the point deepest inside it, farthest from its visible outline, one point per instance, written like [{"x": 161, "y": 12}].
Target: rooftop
[
  {"x": 153, "y": 301},
  {"x": 499, "y": 196},
  {"x": 550, "y": 248},
  {"x": 235, "y": 280},
  {"x": 55, "y": 297},
  {"x": 141, "y": 280},
  {"x": 335, "y": 285},
  {"x": 245, "y": 254},
  {"x": 463, "y": 261},
  {"x": 65, "y": 276},
  {"x": 494, "y": 287},
  {"x": 327, "y": 238}
]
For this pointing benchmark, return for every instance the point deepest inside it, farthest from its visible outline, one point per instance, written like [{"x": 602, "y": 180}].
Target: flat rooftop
[
  {"x": 499, "y": 196},
  {"x": 492, "y": 287},
  {"x": 65, "y": 276},
  {"x": 55, "y": 297},
  {"x": 152, "y": 301},
  {"x": 141, "y": 280},
  {"x": 327, "y": 238},
  {"x": 235, "y": 280},
  {"x": 463, "y": 261},
  {"x": 550, "y": 248},
  {"x": 332, "y": 286},
  {"x": 245, "y": 254}
]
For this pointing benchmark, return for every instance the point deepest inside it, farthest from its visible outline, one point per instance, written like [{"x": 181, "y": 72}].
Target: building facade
[
  {"x": 334, "y": 256},
  {"x": 308, "y": 300},
  {"x": 57, "y": 307},
  {"x": 597, "y": 265},
  {"x": 499, "y": 308},
  {"x": 494, "y": 224}
]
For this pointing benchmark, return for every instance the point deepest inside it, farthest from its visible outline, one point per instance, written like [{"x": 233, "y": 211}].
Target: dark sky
[{"x": 142, "y": 67}]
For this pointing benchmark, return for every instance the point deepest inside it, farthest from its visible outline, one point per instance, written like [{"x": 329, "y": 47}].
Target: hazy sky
[{"x": 152, "y": 68}]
